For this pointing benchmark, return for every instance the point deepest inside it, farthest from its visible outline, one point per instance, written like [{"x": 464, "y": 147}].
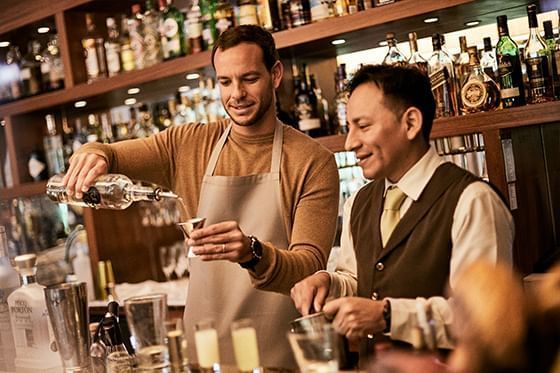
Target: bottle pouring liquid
[{"x": 110, "y": 191}]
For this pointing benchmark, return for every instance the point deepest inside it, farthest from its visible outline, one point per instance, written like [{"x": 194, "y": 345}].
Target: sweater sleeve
[{"x": 313, "y": 228}]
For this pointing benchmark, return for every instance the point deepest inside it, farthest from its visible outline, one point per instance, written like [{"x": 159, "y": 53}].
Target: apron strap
[{"x": 276, "y": 150}]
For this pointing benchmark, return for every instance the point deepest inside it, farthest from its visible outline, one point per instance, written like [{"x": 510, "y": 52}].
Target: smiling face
[
  {"x": 247, "y": 87},
  {"x": 386, "y": 145}
]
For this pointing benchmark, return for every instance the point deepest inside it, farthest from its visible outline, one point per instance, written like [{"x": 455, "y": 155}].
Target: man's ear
[
  {"x": 277, "y": 72},
  {"x": 412, "y": 119}
]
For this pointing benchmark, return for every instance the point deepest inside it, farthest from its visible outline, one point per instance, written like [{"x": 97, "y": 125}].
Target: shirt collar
[{"x": 417, "y": 177}]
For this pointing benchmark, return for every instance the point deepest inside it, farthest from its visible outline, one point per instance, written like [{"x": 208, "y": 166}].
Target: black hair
[
  {"x": 402, "y": 87},
  {"x": 248, "y": 34}
]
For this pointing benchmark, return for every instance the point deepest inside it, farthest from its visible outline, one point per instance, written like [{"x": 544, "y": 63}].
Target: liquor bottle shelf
[{"x": 23, "y": 190}]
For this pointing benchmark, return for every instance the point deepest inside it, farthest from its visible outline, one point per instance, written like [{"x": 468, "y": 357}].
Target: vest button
[
  {"x": 380, "y": 266},
  {"x": 375, "y": 295}
]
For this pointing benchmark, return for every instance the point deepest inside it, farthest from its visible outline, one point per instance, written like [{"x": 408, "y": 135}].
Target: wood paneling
[{"x": 24, "y": 190}]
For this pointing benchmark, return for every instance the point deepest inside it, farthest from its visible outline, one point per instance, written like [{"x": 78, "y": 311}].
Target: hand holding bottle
[{"x": 83, "y": 170}]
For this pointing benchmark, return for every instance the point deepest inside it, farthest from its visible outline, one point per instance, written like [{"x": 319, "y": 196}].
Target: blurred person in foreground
[
  {"x": 268, "y": 192},
  {"x": 411, "y": 231}
]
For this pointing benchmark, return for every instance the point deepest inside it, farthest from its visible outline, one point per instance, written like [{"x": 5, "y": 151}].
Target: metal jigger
[{"x": 190, "y": 225}]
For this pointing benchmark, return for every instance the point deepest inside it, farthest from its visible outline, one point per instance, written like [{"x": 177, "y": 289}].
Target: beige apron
[{"x": 222, "y": 290}]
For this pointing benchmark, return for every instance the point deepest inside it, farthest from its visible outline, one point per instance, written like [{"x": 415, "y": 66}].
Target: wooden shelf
[{"x": 23, "y": 190}]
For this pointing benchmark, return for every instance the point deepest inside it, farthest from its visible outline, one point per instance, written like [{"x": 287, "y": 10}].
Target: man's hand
[
  {"x": 84, "y": 169},
  {"x": 356, "y": 317},
  {"x": 221, "y": 241},
  {"x": 310, "y": 293}
]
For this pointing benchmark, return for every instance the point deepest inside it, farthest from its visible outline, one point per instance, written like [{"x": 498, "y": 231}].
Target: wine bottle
[{"x": 510, "y": 77}]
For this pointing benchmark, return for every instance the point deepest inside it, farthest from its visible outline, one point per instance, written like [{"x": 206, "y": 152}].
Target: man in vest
[
  {"x": 268, "y": 192},
  {"x": 410, "y": 231}
]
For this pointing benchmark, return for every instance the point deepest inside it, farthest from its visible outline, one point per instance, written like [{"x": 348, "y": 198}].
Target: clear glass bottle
[
  {"x": 135, "y": 30},
  {"x": 462, "y": 62},
  {"x": 510, "y": 76},
  {"x": 128, "y": 62},
  {"x": 340, "y": 99},
  {"x": 479, "y": 92},
  {"x": 109, "y": 191},
  {"x": 152, "y": 41},
  {"x": 80, "y": 135},
  {"x": 172, "y": 30},
  {"x": 442, "y": 78},
  {"x": 538, "y": 62},
  {"x": 487, "y": 60},
  {"x": 89, "y": 42},
  {"x": 416, "y": 60},
  {"x": 54, "y": 149},
  {"x": 30, "y": 321},
  {"x": 113, "y": 48},
  {"x": 394, "y": 56},
  {"x": 554, "y": 48},
  {"x": 9, "y": 281},
  {"x": 31, "y": 69}
]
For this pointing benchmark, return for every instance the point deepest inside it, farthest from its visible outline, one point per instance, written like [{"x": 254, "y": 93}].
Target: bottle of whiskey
[
  {"x": 9, "y": 281},
  {"x": 416, "y": 60},
  {"x": 54, "y": 150},
  {"x": 94, "y": 67},
  {"x": 487, "y": 60},
  {"x": 394, "y": 56},
  {"x": 537, "y": 61},
  {"x": 554, "y": 48},
  {"x": 113, "y": 48},
  {"x": 109, "y": 191},
  {"x": 340, "y": 99},
  {"x": 152, "y": 40},
  {"x": 306, "y": 107},
  {"x": 33, "y": 334},
  {"x": 462, "y": 62},
  {"x": 194, "y": 27},
  {"x": 172, "y": 30},
  {"x": 479, "y": 92},
  {"x": 442, "y": 78},
  {"x": 509, "y": 73}
]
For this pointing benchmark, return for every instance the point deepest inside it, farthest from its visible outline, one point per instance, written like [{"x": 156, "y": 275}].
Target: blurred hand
[
  {"x": 309, "y": 294},
  {"x": 84, "y": 169},
  {"x": 221, "y": 241},
  {"x": 356, "y": 317}
]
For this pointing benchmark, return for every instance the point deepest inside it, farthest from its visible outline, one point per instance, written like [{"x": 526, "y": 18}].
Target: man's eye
[
  {"x": 251, "y": 79},
  {"x": 224, "y": 82}
]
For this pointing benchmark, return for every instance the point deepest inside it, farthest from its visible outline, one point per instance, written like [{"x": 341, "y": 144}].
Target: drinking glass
[
  {"x": 206, "y": 342},
  {"x": 167, "y": 260},
  {"x": 245, "y": 345},
  {"x": 181, "y": 260},
  {"x": 315, "y": 351}
]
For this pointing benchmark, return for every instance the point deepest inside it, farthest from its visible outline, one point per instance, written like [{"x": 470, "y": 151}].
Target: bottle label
[
  {"x": 22, "y": 320},
  {"x": 170, "y": 28},
  {"x": 194, "y": 29},
  {"x": 92, "y": 65},
  {"x": 248, "y": 15},
  {"x": 537, "y": 71},
  {"x": 473, "y": 93},
  {"x": 113, "y": 60},
  {"x": 509, "y": 92},
  {"x": 92, "y": 197},
  {"x": 223, "y": 24},
  {"x": 309, "y": 124},
  {"x": 319, "y": 10},
  {"x": 127, "y": 56}
]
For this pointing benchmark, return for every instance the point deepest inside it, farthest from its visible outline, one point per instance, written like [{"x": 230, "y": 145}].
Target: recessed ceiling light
[
  {"x": 43, "y": 30},
  {"x": 79, "y": 104},
  {"x": 192, "y": 76},
  {"x": 184, "y": 88},
  {"x": 431, "y": 20},
  {"x": 472, "y": 23},
  {"x": 4, "y": 44},
  {"x": 130, "y": 101},
  {"x": 338, "y": 41},
  {"x": 133, "y": 91},
  {"x": 383, "y": 43}
]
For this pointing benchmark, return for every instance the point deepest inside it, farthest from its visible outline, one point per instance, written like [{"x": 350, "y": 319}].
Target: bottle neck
[
  {"x": 147, "y": 193},
  {"x": 533, "y": 24},
  {"x": 28, "y": 279},
  {"x": 413, "y": 45}
]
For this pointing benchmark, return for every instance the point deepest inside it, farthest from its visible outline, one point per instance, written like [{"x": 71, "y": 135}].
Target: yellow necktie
[{"x": 394, "y": 198}]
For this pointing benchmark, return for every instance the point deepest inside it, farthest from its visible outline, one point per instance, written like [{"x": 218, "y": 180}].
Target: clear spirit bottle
[
  {"x": 394, "y": 56},
  {"x": 54, "y": 149},
  {"x": 462, "y": 62},
  {"x": 113, "y": 48},
  {"x": 9, "y": 281},
  {"x": 30, "y": 321},
  {"x": 416, "y": 60},
  {"x": 479, "y": 92},
  {"x": 487, "y": 60},
  {"x": 109, "y": 191},
  {"x": 152, "y": 41},
  {"x": 135, "y": 30}
]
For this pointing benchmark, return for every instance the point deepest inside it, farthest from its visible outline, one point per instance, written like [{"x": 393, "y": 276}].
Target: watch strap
[{"x": 256, "y": 252}]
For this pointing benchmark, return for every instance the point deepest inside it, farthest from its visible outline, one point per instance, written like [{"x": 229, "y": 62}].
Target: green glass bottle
[
  {"x": 172, "y": 36},
  {"x": 509, "y": 74},
  {"x": 554, "y": 48},
  {"x": 209, "y": 34}
]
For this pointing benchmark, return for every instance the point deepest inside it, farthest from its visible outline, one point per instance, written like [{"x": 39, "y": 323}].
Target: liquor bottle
[
  {"x": 107, "y": 135},
  {"x": 194, "y": 27},
  {"x": 128, "y": 61},
  {"x": 9, "y": 281},
  {"x": 209, "y": 33},
  {"x": 31, "y": 69},
  {"x": 340, "y": 99},
  {"x": 487, "y": 60},
  {"x": 135, "y": 30},
  {"x": 248, "y": 12},
  {"x": 45, "y": 70},
  {"x": 416, "y": 60},
  {"x": 54, "y": 150},
  {"x": 93, "y": 128},
  {"x": 340, "y": 8},
  {"x": 322, "y": 105},
  {"x": 152, "y": 40},
  {"x": 479, "y": 92},
  {"x": 352, "y": 6},
  {"x": 462, "y": 67},
  {"x": 394, "y": 56},
  {"x": 172, "y": 30},
  {"x": 80, "y": 135},
  {"x": 538, "y": 62},
  {"x": 319, "y": 10},
  {"x": 113, "y": 48},
  {"x": 269, "y": 15},
  {"x": 118, "y": 357},
  {"x": 13, "y": 72},
  {"x": 554, "y": 48},
  {"x": 300, "y": 13},
  {"x": 186, "y": 113},
  {"x": 30, "y": 321},
  {"x": 224, "y": 16},
  {"x": 52, "y": 58},
  {"x": 109, "y": 191},
  {"x": 306, "y": 106},
  {"x": 510, "y": 77},
  {"x": 89, "y": 43},
  {"x": 442, "y": 78}
]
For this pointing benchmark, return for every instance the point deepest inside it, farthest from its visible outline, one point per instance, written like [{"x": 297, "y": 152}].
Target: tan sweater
[{"x": 177, "y": 157}]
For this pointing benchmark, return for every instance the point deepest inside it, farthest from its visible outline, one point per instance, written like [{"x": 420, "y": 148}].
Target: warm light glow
[
  {"x": 133, "y": 91},
  {"x": 43, "y": 30},
  {"x": 130, "y": 101},
  {"x": 79, "y": 104},
  {"x": 192, "y": 76},
  {"x": 184, "y": 88},
  {"x": 472, "y": 23},
  {"x": 431, "y": 20},
  {"x": 4, "y": 44},
  {"x": 338, "y": 41}
]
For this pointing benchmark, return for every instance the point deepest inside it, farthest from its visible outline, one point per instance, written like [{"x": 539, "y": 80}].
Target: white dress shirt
[{"x": 482, "y": 228}]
